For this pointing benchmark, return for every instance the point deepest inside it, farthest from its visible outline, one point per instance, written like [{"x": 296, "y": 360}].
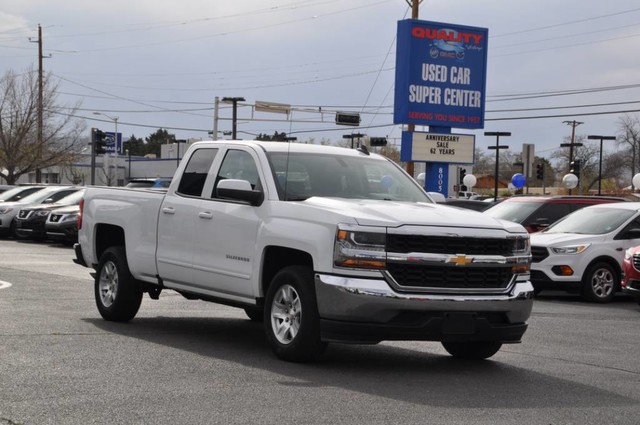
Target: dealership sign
[
  {"x": 440, "y": 74},
  {"x": 434, "y": 147}
]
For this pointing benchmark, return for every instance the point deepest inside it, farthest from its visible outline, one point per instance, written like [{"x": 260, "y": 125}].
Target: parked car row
[
  {"x": 584, "y": 244},
  {"x": 46, "y": 212}
]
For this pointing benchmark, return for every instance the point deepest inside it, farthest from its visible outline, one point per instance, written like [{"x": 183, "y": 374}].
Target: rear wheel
[
  {"x": 117, "y": 294},
  {"x": 292, "y": 323},
  {"x": 472, "y": 350},
  {"x": 599, "y": 283}
]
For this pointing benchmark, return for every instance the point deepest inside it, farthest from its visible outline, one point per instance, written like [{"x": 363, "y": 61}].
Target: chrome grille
[
  {"x": 450, "y": 245},
  {"x": 448, "y": 277},
  {"x": 636, "y": 261}
]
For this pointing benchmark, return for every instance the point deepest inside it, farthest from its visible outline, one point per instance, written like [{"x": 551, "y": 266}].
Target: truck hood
[
  {"x": 367, "y": 212},
  {"x": 562, "y": 239}
]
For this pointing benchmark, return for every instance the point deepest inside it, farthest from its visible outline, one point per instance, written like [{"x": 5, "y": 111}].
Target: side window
[
  {"x": 238, "y": 165},
  {"x": 195, "y": 173},
  {"x": 552, "y": 212}
]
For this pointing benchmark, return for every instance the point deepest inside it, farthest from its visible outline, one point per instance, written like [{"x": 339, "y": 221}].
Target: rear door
[{"x": 177, "y": 221}]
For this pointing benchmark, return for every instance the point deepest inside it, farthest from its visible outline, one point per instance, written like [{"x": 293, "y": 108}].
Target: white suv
[{"x": 584, "y": 250}]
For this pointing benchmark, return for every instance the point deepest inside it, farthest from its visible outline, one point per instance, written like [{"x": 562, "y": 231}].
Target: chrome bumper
[{"x": 356, "y": 301}]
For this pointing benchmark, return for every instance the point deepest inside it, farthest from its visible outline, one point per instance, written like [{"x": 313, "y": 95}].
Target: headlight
[
  {"x": 362, "y": 250},
  {"x": 570, "y": 249},
  {"x": 629, "y": 253},
  {"x": 70, "y": 217}
]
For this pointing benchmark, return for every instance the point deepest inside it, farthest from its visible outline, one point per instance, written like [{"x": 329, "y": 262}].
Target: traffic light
[
  {"x": 574, "y": 168},
  {"x": 463, "y": 172},
  {"x": 540, "y": 171},
  {"x": 378, "y": 141},
  {"x": 348, "y": 118},
  {"x": 99, "y": 140}
]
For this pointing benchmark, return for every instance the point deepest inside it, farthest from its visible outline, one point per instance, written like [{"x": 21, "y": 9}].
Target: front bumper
[
  {"x": 369, "y": 310},
  {"x": 632, "y": 287}
]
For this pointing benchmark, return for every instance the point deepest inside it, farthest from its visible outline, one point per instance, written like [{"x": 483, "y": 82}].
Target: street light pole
[
  {"x": 497, "y": 147},
  {"x": 594, "y": 137},
  {"x": 353, "y": 136},
  {"x": 234, "y": 101}
]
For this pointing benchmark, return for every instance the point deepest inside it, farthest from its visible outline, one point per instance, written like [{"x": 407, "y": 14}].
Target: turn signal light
[{"x": 563, "y": 270}]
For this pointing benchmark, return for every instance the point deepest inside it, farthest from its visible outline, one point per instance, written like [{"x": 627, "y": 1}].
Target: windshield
[
  {"x": 73, "y": 199},
  {"x": 592, "y": 221},
  {"x": 303, "y": 175},
  {"x": 512, "y": 211},
  {"x": 14, "y": 193},
  {"x": 41, "y": 195}
]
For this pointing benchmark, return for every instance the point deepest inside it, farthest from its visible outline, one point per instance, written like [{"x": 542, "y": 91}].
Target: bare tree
[
  {"x": 629, "y": 137},
  {"x": 20, "y": 150}
]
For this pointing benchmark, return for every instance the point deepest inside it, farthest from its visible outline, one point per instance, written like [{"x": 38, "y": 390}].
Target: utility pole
[
  {"x": 415, "y": 9},
  {"x": 214, "y": 134},
  {"x": 40, "y": 104},
  {"x": 571, "y": 145},
  {"x": 573, "y": 125}
]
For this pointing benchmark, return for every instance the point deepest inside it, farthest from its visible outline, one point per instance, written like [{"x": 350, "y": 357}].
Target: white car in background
[
  {"x": 47, "y": 195},
  {"x": 584, "y": 251}
]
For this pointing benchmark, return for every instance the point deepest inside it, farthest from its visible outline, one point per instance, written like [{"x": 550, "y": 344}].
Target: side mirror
[
  {"x": 541, "y": 223},
  {"x": 239, "y": 190}
]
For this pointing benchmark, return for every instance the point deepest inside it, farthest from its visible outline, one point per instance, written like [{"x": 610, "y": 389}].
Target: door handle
[
  {"x": 205, "y": 214},
  {"x": 168, "y": 210}
]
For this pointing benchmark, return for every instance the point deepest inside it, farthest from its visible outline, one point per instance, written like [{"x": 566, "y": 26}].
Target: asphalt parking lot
[{"x": 193, "y": 362}]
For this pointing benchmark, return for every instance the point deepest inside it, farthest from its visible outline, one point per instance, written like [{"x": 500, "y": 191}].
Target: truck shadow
[{"x": 396, "y": 373}]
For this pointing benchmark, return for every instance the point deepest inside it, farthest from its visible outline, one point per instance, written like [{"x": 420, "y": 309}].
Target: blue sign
[
  {"x": 436, "y": 178},
  {"x": 440, "y": 74},
  {"x": 111, "y": 145}
]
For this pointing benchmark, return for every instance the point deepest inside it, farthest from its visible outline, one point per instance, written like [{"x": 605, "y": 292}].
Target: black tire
[
  {"x": 255, "y": 314},
  {"x": 291, "y": 308},
  {"x": 12, "y": 230},
  {"x": 117, "y": 294},
  {"x": 599, "y": 283},
  {"x": 472, "y": 350}
]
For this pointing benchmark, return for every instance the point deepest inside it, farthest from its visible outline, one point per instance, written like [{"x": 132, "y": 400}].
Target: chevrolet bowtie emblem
[{"x": 460, "y": 260}]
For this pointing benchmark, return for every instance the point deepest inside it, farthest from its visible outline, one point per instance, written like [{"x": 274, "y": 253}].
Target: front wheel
[
  {"x": 599, "y": 283},
  {"x": 118, "y": 297},
  {"x": 292, "y": 323},
  {"x": 472, "y": 350}
]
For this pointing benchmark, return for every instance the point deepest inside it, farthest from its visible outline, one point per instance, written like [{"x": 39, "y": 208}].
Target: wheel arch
[
  {"x": 275, "y": 258},
  {"x": 610, "y": 261},
  {"x": 108, "y": 235}
]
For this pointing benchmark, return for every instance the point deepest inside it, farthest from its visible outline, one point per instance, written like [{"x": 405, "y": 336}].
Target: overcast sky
[{"x": 160, "y": 64}]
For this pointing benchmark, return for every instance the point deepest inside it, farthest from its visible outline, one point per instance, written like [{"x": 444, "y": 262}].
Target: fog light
[{"x": 562, "y": 270}]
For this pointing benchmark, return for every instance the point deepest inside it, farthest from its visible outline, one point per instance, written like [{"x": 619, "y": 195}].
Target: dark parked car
[
  {"x": 62, "y": 224},
  {"x": 30, "y": 220},
  {"x": 536, "y": 213}
]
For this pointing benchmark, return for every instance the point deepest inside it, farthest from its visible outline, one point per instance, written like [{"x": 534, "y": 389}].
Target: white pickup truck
[{"x": 323, "y": 244}]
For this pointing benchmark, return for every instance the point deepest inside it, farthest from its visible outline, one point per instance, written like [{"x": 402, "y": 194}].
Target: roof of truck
[{"x": 290, "y": 147}]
